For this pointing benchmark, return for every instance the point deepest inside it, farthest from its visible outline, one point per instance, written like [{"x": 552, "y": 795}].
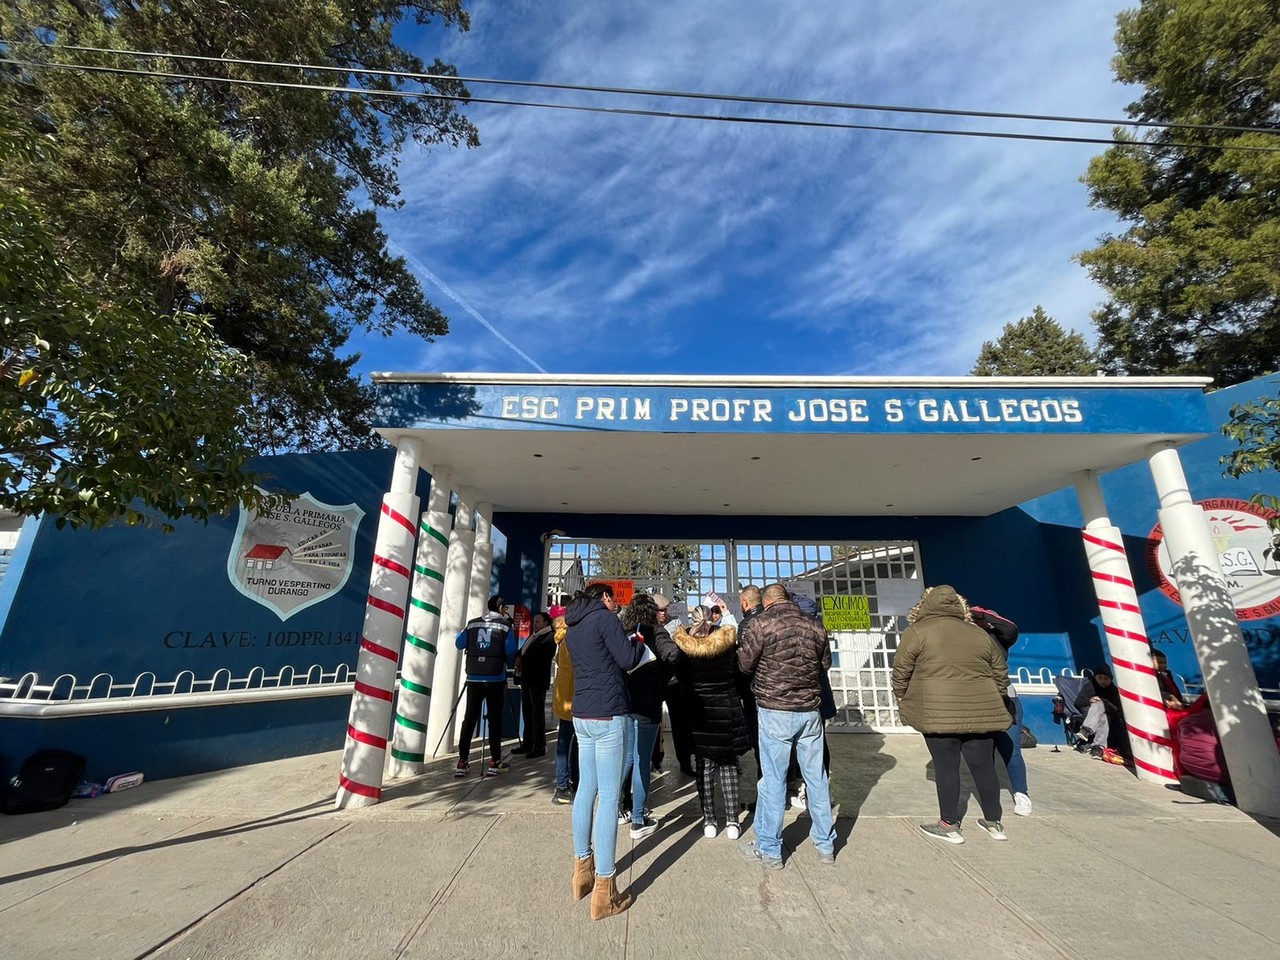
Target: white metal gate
[{"x": 887, "y": 573}]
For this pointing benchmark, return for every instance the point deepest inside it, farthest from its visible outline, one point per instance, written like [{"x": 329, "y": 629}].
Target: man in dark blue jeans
[
  {"x": 785, "y": 652},
  {"x": 489, "y": 642}
]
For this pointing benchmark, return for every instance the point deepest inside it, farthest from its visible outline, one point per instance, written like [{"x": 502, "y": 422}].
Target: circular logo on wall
[{"x": 1248, "y": 553}]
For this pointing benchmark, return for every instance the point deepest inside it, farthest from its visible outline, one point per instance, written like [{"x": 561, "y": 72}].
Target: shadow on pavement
[
  {"x": 684, "y": 842},
  {"x": 318, "y": 808}
]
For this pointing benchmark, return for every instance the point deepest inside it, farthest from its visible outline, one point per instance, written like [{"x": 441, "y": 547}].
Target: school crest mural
[
  {"x": 1248, "y": 552},
  {"x": 294, "y": 557}
]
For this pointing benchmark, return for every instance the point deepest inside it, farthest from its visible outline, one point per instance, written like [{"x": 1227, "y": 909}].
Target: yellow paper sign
[{"x": 846, "y": 613}]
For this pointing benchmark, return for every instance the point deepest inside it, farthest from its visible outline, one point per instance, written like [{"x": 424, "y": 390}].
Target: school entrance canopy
[
  {"x": 814, "y": 446},
  {"x": 770, "y": 446}
]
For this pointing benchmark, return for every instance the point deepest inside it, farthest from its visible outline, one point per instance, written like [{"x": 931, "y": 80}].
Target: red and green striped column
[
  {"x": 369, "y": 721},
  {"x": 446, "y": 677},
  {"x": 422, "y": 629}
]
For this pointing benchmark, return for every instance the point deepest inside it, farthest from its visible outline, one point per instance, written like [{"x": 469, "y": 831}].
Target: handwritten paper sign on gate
[{"x": 851, "y": 612}]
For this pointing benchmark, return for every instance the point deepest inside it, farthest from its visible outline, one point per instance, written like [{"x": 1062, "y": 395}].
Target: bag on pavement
[{"x": 45, "y": 781}]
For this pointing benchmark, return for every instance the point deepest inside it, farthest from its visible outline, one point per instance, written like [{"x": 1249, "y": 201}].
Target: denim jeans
[
  {"x": 1009, "y": 745},
  {"x": 602, "y": 746},
  {"x": 643, "y": 735},
  {"x": 779, "y": 729},
  {"x": 566, "y": 756}
]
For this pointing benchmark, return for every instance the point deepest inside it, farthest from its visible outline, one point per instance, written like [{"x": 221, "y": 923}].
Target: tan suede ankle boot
[
  {"x": 584, "y": 876},
  {"x": 606, "y": 901}
]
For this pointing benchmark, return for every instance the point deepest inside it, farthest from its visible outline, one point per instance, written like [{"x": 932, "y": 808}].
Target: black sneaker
[
  {"x": 641, "y": 830},
  {"x": 562, "y": 796}
]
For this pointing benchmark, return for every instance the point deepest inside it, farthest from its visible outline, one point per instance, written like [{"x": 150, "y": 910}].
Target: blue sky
[{"x": 607, "y": 244}]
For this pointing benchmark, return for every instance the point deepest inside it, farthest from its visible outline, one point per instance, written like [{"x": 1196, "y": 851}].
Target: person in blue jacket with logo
[{"x": 490, "y": 642}]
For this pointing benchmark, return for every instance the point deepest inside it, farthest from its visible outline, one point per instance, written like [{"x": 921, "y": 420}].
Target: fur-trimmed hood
[{"x": 718, "y": 641}]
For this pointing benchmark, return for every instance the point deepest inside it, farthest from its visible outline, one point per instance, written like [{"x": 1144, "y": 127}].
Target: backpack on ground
[{"x": 45, "y": 781}]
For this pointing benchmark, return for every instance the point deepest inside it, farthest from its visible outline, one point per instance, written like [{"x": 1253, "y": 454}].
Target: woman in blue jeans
[
  {"x": 1009, "y": 746},
  {"x": 645, "y": 687},
  {"x": 602, "y": 654},
  {"x": 1009, "y": 742}
]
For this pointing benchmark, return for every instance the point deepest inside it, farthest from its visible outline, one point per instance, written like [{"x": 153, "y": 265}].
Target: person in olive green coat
[{"x": 950, "y": 679}]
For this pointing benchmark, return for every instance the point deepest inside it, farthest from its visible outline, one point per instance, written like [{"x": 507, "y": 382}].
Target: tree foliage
[
  {"x": 1255, "y": 427},
  {"x": 1194, "y": 280},
  {"x": 108, "y": 410},
  {"x": 673, "y": 563},
  {"x": 247, "y": 211},
  {"x": 1036, "y": 346}
]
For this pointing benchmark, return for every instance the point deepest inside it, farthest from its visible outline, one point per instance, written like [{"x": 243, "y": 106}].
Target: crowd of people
[
  {"x": 755, "y": 683},
  {"x": 758, "y": 683}
]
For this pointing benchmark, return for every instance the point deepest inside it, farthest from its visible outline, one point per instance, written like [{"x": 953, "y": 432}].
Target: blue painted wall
[
  {"x": 1132, "y": 503},
  {"x": 126, "y": 600},
  {"x": 1004, "y": 561}
]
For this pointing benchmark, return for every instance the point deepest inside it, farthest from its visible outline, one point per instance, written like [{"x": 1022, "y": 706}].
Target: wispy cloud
[{"x": 600, "y": 243}]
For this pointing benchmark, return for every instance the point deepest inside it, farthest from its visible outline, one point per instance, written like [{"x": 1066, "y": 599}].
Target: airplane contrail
[{"x": 457, "y": 298}]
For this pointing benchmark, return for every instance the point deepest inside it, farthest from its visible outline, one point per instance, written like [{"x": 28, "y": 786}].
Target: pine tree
[
  {"x": 1036, "y": 346},
  {"x": 1194, "y": 280}
]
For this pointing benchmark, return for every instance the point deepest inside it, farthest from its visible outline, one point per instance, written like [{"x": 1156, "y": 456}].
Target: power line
[
  {"x": 630, "y": 111},
  {"x": 684, "y": 94}
]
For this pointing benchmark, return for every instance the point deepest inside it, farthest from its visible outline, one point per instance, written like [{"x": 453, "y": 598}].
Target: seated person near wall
[
  {"x": 1199, "y": 750},
  {"x": 1173, "y": 699},
  {"x": 1103, "y": 726}
]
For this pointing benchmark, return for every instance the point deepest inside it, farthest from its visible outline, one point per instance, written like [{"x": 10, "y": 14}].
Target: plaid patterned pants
[{"x": 727, "y": 773}]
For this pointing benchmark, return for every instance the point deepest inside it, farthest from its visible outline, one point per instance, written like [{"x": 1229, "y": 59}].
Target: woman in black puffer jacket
[
  {"x": 708, "y": 677},
  {"x": 645, "y": 687}
]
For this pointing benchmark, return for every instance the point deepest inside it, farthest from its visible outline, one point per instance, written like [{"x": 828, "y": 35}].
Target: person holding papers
[{"x": 645, "y": 686}]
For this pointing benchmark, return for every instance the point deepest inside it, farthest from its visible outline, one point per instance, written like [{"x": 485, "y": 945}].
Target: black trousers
[
  {"x": 681, "y": 730},
  {"x": 489, "y": 696},
  {"x": 533, "y": 707},
  {"x": 979, "y": 752}
]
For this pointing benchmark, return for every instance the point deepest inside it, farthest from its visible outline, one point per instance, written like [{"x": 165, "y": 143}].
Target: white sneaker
[
  {"x": 732, "y": 831},
  {"x": 709, "y": 831},
  {"x": 1022, "y": 804}
]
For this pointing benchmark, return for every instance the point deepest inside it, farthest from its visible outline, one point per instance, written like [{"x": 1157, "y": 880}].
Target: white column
[
  {"x": 422, "y": 628},
  {"x": 369, "y": 721},
  {"x": 481, "y": 574},
  {"x": 1126, "y": 633},
  {"x": 453, "y": 615},
  {"x": 1247, "y": 743}
]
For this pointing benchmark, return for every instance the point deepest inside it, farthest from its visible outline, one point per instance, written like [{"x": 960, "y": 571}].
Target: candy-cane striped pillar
[
  {"x": 1127, "y": 643},
  {"x": 481, "y": 574},
  {"x": 1247, "y": 743},
  {"x": 422, "y": 627},
  {"x": 453, "y": 615},
  {"x": 369, "y": 722}
]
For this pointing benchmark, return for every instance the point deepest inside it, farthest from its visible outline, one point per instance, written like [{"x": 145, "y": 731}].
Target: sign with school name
[
  {"x": 293, "y": 557},
  {"x": 793, "y": 409},
  {"x": 845, "y": 613}
]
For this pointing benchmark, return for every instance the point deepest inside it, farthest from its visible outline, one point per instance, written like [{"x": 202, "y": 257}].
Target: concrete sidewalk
[{"x": 254, "y": 863}]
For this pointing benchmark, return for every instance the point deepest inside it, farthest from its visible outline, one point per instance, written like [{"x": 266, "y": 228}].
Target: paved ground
[{"x": 253, "y": 862}]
